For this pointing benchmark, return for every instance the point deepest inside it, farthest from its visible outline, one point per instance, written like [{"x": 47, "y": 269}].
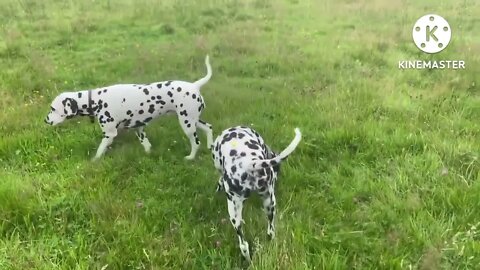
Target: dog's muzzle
[{"x": 48, "y": 122}]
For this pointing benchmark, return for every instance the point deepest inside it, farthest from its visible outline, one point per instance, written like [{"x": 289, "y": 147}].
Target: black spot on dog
[
  {"x": 99, "y": 92},
  {"x": 84, "y": 106},
  {"x": 186, "y": 121},
  {"x": 151, "y": 109},
  {"x": 181, "y": 105},
  {"x": 243, "y": 153},
  {"x": 244, "y": 176},
  {"x": 233, "y": 152},
  {"x": 189, "y": 125},
  {"x": 138, "y": 124},
  {"x": 105, "y": 105},
  {"x": 241, "y": 135},
  {"x": 148, "y": 119},
  {"x": 129, "y": 112},
  {"x": 140, "y": 112},
  {"x": 172, "y": 100},
  {"x": 159, "y": 85},
  {"x": 107, "y": 113},
  {"x": 179, "y": 89},
  {"x": 264, "y": 164},
  {"x": 104, "y": 90},
  {"x": 79, "y": 94},
  {"x": 252, "y": 146},
  {"x": 145, "y": 90},
  {"x": 159, "y": 97},
  {"x": 262, "y": 182},
  {"x": 123, "y": 101},
  {"x": 169, "y": 94},
  {"x": 141, "y": 104},
  {"x": 184, "y": 112},
  {"x": 194, "y": 96},
  {"x": 168, "y": 83},
  {"x": 153, "y": 97},
  {"x": 234, "y": 169}
]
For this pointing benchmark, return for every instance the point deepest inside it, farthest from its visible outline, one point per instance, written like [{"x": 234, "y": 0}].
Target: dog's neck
[{"x": 82, "y": 98}]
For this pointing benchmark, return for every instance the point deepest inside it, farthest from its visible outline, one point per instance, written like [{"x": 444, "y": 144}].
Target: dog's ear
[{"x": 70, "y": 107}]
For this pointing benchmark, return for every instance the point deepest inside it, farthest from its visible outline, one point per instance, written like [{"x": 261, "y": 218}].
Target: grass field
[{"x": 386, "y": 176}]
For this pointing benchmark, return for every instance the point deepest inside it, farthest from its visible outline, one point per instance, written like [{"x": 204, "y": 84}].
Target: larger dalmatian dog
[
  {"x": 247, "y": 164},
  {"x": 134, "y": 106}
]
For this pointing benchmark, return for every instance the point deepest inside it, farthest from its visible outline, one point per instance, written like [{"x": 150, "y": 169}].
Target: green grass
[{"x": 386, "y": 176}]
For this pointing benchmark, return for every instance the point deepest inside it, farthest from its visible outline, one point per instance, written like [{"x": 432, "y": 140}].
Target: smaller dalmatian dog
[
  {"x": 247, "y": 164},
  {"x": 133, "y": 106}
]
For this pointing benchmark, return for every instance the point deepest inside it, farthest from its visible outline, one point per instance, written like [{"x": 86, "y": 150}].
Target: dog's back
[{"x": 236, "y": 153}]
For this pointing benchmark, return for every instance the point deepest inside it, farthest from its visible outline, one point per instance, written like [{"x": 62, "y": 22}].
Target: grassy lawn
[{"x": 386, "y": 176}]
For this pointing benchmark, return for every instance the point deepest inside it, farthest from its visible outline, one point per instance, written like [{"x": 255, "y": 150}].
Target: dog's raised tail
[
  {"x": 207, "y": 77},
  {"x": 265, "y": 163}
]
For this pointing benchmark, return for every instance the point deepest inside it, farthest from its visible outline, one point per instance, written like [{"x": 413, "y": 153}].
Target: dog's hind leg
[
  {"x": 142, "y": 136},
  {"x": 109, "y": 134},
  {"x": 235, "y": 206},
  {"x": 269, "y": 204},
  {"x": 190, "y": 130},
  {"x": 207, "y": 128}
]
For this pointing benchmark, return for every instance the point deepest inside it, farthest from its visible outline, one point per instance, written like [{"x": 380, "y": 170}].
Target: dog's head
[{"x": 64, "y": 106}]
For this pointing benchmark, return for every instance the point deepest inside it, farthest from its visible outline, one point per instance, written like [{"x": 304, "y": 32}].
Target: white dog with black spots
[
  {"x": 247, "y": 164},
  {"x": 126, "y": 106}
]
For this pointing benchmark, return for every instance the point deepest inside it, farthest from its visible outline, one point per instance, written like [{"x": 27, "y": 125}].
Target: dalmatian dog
[
  {"x": 247, "y": 164},
  {"x": 133, "y": 106}
]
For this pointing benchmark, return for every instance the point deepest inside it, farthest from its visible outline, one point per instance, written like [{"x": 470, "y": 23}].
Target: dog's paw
[
  {"x": 271, "y": 235},
  {"x": 189, "y": 157}
]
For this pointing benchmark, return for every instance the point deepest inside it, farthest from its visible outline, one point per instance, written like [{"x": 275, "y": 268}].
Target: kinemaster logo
[{"x": 431, "y": 34}]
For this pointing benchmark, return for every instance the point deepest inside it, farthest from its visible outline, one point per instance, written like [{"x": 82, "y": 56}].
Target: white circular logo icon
[{"x": 431, "y": 33}]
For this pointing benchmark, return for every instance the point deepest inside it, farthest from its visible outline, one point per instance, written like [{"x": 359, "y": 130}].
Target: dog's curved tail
[
  {"x": 207, "y": 77},
  {"x": 265, "y": 163}
]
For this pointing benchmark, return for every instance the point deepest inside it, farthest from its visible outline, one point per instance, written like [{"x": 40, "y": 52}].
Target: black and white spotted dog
[
  {"x": 247, "y": 164},
  {"x": 134, "y": 106}
]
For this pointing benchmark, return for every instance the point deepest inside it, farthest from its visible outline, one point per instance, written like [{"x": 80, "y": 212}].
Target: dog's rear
[
  {"x": 265, "y": 163},
  {"x": 247, "y": 164}
]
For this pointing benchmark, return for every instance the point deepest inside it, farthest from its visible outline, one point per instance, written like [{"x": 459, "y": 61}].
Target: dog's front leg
[
  {"x": 219, "y": 184},
  {"x": 107, "y": 140},
  {"x": 142, "y": 136},
  {"x": 190, "y": 130}
]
